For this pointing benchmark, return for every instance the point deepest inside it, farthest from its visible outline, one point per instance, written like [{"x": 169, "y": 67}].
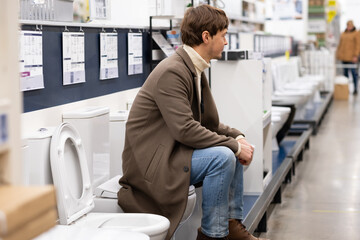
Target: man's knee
[{"x": 225, "y": 157}]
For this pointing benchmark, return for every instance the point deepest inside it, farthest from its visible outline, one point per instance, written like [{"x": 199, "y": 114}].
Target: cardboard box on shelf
[
  {"x": 341, "y": 91},
  {"x": 34, "y": 227},
  {"x": 312, "y": 2},
  {"x": 22, "y": 204}
]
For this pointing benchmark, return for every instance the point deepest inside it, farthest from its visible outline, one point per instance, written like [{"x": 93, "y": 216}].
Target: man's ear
[{"x": 205, "y": 37}]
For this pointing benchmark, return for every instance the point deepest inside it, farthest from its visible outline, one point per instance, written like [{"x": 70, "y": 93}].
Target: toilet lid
[{"x": 70, "y": 174}]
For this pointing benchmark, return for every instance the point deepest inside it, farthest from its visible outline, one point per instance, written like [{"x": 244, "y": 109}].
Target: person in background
[
  {"x": 174, "y": 138},
  {"x": 348, "y": 51}
]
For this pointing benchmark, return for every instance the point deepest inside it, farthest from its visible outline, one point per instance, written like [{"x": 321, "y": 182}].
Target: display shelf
[
  {"x": 169, "y": 18},
  {"x": 316, "y": 9},
  {"x": 258, "y": 210},
  {"x": 97, "y": 24},
  {"x": 314, "y": 116}
]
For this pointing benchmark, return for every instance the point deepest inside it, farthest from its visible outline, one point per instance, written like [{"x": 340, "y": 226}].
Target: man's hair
[{"x": 200, "y": 19}]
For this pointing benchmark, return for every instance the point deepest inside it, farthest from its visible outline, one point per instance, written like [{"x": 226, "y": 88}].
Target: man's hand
[{"x": 246, "y": 154}]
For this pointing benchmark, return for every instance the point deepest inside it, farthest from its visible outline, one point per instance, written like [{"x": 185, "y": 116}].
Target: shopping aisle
[{"x": 323, "y": 199}]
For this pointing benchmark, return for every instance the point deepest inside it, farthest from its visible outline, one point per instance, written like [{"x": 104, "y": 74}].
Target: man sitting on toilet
[{"x": 174, "y": 138}]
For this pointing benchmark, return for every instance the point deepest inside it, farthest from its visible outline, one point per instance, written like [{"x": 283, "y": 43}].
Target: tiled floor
[{"x": 323, "y": 199}]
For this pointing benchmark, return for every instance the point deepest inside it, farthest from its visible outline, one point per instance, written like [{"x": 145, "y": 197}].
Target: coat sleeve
[
  {"x": 172, "y": 96},
  {"x": 228, "y": 131}
]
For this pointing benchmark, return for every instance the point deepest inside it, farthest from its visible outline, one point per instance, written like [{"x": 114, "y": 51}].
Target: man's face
[{"x": 217, "y": 43}]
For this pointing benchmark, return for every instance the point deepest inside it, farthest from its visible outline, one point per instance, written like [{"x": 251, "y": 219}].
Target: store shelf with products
[
  {"x": 317, "y": 21},
  {"x": 272, "y": 45},
  {"x": 246, "y": 15},
  {"x": 159, "y": 46}
]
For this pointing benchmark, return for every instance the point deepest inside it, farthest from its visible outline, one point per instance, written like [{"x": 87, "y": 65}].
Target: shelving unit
[
  {"x": 154, "y": 62},
  {"x": 317, "y": 21},
  {"x": 170, "y": 18},
  {"x": 246, "y": 15}
]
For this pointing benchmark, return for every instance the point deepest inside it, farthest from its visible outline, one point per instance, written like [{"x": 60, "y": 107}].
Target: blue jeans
[
  {"x": 222, "y": 190},
  {"x": 354, "y": 74}
]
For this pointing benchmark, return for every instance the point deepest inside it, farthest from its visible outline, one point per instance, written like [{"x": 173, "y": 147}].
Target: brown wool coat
[
  {"x": 349, "y": 46},
  {"x": 165, "y": 125}
]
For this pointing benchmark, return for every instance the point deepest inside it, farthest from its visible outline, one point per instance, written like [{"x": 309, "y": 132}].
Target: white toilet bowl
[
  {"x": 152, "y": 225},
  {"x": 289, "y": 88},
  {"x": 279, "y": 115},
  {"x": 106, "y": 199},
  {"x": 189, "y": 206},
  {"x": 299, "y": 100},
  {"x": 60, "y": 232},
  {"x": 74, "y": 191},
  {"x": 106, "y": 193}
]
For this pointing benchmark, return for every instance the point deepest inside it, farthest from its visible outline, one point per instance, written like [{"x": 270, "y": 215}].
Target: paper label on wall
[
  {"x": 73, "y": 58},
  {"x": 31, "y": 61},
  {"x": 163, "y": 44},
  {"x": 99, "y": 9},
  {"x": 135, "y": 53},
  {"x": 108, "y": 56},
  {"x": 316, "y": 26}
]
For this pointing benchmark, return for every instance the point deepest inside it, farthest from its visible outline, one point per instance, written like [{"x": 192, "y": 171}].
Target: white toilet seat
[
  {"x": 74, "y": 192},
  {"x": 126, "y": 222}
]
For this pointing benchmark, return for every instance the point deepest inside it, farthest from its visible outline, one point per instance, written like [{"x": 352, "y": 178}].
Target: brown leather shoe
[
  {"x": 202, "y": 236},
  {"x": 237, "y": 231}
]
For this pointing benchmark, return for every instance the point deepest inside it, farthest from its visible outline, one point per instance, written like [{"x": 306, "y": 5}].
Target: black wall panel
[{"x": 55, "y": 93}]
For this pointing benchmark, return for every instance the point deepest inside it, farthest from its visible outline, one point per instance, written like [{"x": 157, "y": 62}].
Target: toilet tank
[
  {"x": 36, "y": 157},
  {"x": 92, "y": 123},
  {"x": 117, "y": 140}
]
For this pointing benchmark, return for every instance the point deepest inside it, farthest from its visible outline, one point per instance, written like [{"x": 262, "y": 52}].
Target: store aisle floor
[{"x": 323, "y": 200}]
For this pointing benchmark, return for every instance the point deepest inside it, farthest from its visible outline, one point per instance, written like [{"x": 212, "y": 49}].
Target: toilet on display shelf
[
  {"x": 74, "y": 194},
  {"x": 106, "y": 194},
  {"x": 65, "y": 150},
  {"x": 279, "y": 116}
]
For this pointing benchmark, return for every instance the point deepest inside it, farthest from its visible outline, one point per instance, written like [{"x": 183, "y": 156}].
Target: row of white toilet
[
  {"x": 289, "y": 86},
  {"x": 77, "y": 157}
]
